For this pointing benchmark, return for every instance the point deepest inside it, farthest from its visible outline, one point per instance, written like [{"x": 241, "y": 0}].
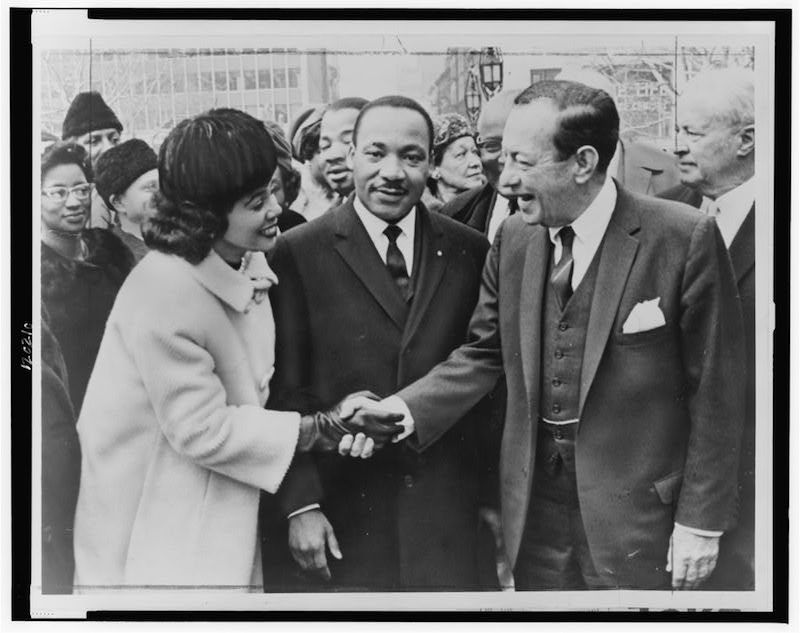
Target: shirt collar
[
  {"x": 738, "y": 200},
  {"x": 375, "y": 225},
  {"x": 235, "y": 287},
  {"x": 591, "y": 225}
]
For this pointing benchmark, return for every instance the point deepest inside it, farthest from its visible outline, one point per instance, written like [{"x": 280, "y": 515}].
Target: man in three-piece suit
[
  {"x": 716, "y": 156},
  {"x": 615, "y": 319},
  {"x": 371, "y": 296}
]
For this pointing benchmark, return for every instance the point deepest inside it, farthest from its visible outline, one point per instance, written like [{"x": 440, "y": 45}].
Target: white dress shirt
[
  {"x": 375, "y": 228},
  {"x": 500, "y": 212},
  {"x": 731, "y": 208},
  {"x": 589, "y": 229}
]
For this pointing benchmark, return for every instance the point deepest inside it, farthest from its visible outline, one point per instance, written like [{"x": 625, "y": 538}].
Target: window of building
[
  {"x": 178, "y": 80},
  {"x": 541, "y": 74},
  {"x": 294, "y": 77},
  {"x": 264, "y": 79},
  {"x": 280, "y": 78},
  {"x": 233, "y": 80},
  {"x": 249, "y": 79},
  {"x": 192, "y": 84},
  {"x": 221, "y": 80},
  {"x": 205, "y": 81}
]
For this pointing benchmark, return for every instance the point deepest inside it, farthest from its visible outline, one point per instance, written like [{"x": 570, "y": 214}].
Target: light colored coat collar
[{"x": 236, "y": 288}]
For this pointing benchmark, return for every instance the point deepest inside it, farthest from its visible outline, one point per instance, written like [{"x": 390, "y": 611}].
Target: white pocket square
[{"x": 646, "y": 315}]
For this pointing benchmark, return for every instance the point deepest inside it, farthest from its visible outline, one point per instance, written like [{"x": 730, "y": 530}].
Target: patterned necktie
[
  {"x": 561, "y": 277},
  {"x": 396, "y": 263}
]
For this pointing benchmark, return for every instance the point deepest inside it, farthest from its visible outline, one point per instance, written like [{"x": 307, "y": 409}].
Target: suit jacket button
[
  {"x": 556, "y": 408},
  {"x": 408, "y": 480},
  {"x": 559, "y": 354},
  {"x": 562, "y": 326}
]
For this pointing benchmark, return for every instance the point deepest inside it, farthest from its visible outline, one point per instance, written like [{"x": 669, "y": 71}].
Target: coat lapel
[
  {"x": 530, "y": 312},
  {"x": 433, "y": 260},
  {"x": 357, "y": 250},
  {"x": 616, "y": 258},
  {"x": 743, "y": 247}
]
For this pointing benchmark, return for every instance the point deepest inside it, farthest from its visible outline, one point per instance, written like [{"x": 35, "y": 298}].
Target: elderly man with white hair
[{"x": 716, "y": 157}]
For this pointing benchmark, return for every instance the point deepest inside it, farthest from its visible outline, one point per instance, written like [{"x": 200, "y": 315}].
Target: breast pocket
[{"x": 655, "y": 335}]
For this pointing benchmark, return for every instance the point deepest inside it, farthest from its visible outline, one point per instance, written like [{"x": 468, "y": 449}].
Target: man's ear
[
  {"x": 433, "y": 172},
  {"x": 351, "y": 152},
  {"x": 747, "y": 140},
  {"x": 586, "y": 159},
  {"x": 116, "y": 203}
]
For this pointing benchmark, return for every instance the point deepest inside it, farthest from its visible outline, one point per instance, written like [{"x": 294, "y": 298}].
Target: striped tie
[{"x": 561, "y": 278}]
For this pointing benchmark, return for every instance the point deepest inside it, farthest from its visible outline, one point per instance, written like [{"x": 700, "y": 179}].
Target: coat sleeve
[
  {"x": 712, "y": 341},
  {"x": 243, "y": 442},
  {"x": 444, "y": 395},
  {"x": 289, "y": 389}
]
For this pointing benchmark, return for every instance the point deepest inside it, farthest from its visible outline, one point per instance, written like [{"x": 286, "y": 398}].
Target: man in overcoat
[{"x": 371, "y": 296}]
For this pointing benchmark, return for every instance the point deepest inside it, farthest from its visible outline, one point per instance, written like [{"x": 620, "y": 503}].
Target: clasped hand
[{"x": 356, "y": 416}]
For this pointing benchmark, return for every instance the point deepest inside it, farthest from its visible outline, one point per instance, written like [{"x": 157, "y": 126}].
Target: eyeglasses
[
  {"x": 60, "y": 194},
  {"x": 492, "y": 144}
]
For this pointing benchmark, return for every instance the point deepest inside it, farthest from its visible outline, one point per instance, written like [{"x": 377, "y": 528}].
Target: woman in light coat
[{"x": 175, "y": 441}]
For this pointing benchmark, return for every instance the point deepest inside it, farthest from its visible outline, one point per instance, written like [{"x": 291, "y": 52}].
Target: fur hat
[
  {"x": 446, "y": 129},
  {"x": 117, "y": 168},
  {"x": 88, "y": 112}
]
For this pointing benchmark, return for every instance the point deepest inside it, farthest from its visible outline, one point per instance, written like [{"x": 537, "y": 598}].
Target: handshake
[{"x": 356, "y": 426}]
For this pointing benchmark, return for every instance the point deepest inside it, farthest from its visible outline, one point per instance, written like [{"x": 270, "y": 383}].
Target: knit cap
[
  {"x": 88, "y": 112},
  {"x": 121, "y": 165}
]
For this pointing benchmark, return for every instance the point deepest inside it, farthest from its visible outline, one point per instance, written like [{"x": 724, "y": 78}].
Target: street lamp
[
  {"x": 491, "y": 69},
  {"x": 472, "y": 97}
]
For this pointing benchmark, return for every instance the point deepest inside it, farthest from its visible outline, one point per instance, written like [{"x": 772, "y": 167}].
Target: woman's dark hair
[
  {"x": 291, "y": 185},
  {"x": 66, "y": 154},
  {"x": 205, "y": 165}
]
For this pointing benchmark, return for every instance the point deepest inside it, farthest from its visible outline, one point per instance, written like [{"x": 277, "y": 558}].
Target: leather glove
[{"x": 322, "y": 431}]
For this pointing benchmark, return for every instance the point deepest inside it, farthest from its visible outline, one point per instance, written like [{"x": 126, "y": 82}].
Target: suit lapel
[
  {"x": 618, "y": 251},
  {"x": 433, "y": 260},
  {"x": 530, "y": 312},
  {"x": 357, "y": 250},
  {"x": 743, "y": 247}
]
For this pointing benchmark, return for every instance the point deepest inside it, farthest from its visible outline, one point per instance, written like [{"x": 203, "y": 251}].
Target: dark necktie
[
  {"x": 561, "y": 278},
  {"x": 395, "y": 261},
  {"x": 513, "y": 206}
]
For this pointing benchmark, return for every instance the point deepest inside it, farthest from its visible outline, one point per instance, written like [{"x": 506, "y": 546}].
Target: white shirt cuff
[
  {"x": 313, "y": 506},
  {"x": 699, "y": 532}
]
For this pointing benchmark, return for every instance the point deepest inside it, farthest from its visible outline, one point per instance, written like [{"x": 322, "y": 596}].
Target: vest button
[
  {"x": 556, "y": 382},
  {"x": 562, "y": 326},
  {"x": 559, "y": 354},
  {"x": 556, "y": 408},
  {"x": 559, "y": 434}
]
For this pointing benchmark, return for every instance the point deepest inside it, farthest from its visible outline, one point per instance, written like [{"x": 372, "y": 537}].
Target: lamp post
[
  {"x": 472, "y": 96},
  {"x": 491, "y": 71}
]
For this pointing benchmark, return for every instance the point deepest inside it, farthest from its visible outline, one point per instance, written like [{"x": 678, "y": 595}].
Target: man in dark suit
[
  {"x": 615, "y": 319},
  {"x": 371, "y": 296},
  {"x": 716, "y": 155}
]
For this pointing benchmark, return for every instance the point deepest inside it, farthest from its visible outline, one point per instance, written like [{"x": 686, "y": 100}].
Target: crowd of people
[{"x": 388, "y": 351}]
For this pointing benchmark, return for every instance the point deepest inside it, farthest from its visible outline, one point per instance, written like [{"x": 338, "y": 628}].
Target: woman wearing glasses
[{"x": 82, "y": 269}]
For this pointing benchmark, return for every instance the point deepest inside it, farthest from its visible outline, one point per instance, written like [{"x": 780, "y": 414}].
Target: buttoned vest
[{"x": 563, "y": 341}]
